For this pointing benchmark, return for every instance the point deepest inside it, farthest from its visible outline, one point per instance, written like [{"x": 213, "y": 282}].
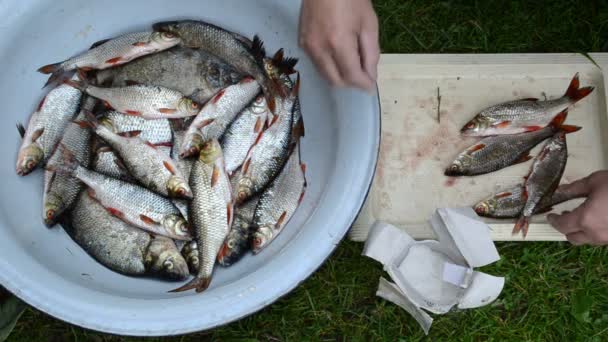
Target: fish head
[
  {"x": 234, "y": 246},
  {"x": 168, "y": 27},
  {"x": 485, "y": 208},
  {"x": 261, "y": 238},
  {"x": 458, "y": 167},
  {"x": 177, "y": 225},
  {"x": 192, "y": 145},
  {"x": 164, "y": 40},
  {"x": 477, "y": 125},
  {"x": 107, "y": 123},
  {"x": 190, "y": 254},
  {"x": 53, "y": 206},
  {"x": 210, "y": 151},
  {"x": 244, "y": 189},
  {"x": 178, "y": 187},
  {"x": 164, "y": 259},
  {"x": 187, "y": 105},
  {"x": 29, "y": 158}
]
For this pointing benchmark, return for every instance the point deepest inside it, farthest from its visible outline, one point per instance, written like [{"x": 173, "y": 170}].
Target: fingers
[
  {"x": 327, "y": 66},
  {"x": 579, "y": 238},
  {"x": 369, "y": 49},
  {"x": 567, "y": 222},
  {"x": 579, "y": 188},
  {"x": 346, "y": 50}
]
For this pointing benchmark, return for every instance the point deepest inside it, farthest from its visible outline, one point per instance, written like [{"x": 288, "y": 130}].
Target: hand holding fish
[
  {"x": 341, "y": 36},
  {"x": 587, "y": 224}
]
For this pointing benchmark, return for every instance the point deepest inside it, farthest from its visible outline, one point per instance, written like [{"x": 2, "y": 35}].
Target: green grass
[{"x": 553, "y": 292}]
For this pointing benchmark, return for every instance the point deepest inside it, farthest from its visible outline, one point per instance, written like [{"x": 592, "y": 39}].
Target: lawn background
[{"x": 553, "y": 291}]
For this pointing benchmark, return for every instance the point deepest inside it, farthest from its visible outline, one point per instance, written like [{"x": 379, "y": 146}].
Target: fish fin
[
  {"x": 82, "y": 124},
  {"x": 98, "y": 43},
  {"x": 284, "y": 65},
  {"x": 204, "y": 123},
  {"x": 50, "y": 68},
  {"x": 21, "y": 129},
  {"x": 129, "y": 134},
  {"x": 163, "y": 144},
  {"x": 104, "y": 149},
  {"x": 281, "y": 220},
  {"x": 303, "y": 167},
  {"x": 91, "y": 193},
  {"x": 129, "y": 83},
  {"x": 37, "y": 134},
  {"x": 503, "y": 194},
  {"x": 167, "y": 110},
  {"x": 570, "y": 128},
  {"x": 114, "y": 60},
  {"x": 258, "y": 50},
  {"x": 198, "y": 284},
  {"x": 40, "y": 104},
  {"x": 150, "y": 144},
  {"x": 224, "y": 250},
  {"x": 76, "y": 84},
  {"x": 503, "y": 124},
  {"x": 476, "y": 148},
  {"x": 523, "y": 159},
  {"x": 132, "y": 112},
  {"x": 107, "y": 104},
  {"x": 218, "y": 96},
  {"x": 270, "y": 101},
  {"x": 574, "y": 92},
  {"x": 301, "y": 197},
  {"x": 140, "y": 44},
  {"x": 529, "y": 99},
  {"x": 215, "y": 176},
  {"x": 229, "y": 214},
  {"x": 169, "y": 167},
  {"x": 298, "y": 130},
  {"x": 275, "y": 118},
  {"x": 532, "y": 128},
  {"x": 559, "y": 119},
  {"x": 246, "y": 166},
  {"x": 147, "y": 220},
  {"x": 259, "y": 123},
  {"x": 115, "y": 212},
  {"x": 521, "y": 226}
]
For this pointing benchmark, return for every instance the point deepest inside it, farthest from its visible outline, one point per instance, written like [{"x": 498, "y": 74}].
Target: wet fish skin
[
  {"x": 46, "y": 126},
  {"x": 147, "y": 101},
  {"x": 61, "y": 190},
  {"x": 185, "y": 167},
  {"x": 193, "y": 72},
  {"x": 510, "y": 203},
  {"x": 113, "y": 52},
  {"x": 217, "y": 114},
  {"x": 525, "y": 115},
  {"x": 243, "y": 133},
  {"x": 120, "y": 246},
  {"x": 210, "y": 212},
  {"x": 130, "y": 202},
  {"x": 279, "y": 202},
  {"x": 238, "y": 241},
  {"x": 190, "y": 253},
  {"x": 267, "y": 157},
  {"x": 543, "y": 179}
]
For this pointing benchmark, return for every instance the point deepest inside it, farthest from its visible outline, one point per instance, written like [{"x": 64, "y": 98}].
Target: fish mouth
[{"x": 452, "y": 173}]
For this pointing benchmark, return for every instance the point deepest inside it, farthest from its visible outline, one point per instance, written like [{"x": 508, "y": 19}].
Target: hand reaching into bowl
[
  {"x": 341, "y": 37},
  {"x": 587, "y": 224}
]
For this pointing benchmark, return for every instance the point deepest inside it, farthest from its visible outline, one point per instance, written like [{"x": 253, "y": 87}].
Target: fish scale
[{"x": 238, "y": 241}]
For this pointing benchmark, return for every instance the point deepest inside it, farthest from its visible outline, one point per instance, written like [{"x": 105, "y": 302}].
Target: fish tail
[
  {"x": 50, "y": 68},
  {"x": 21, "y": 129},
  {"x": 558, "y": 123},
  {"x": 521, "y": 226},
  {"x": 68, "y": 164},
  {"x": 574, "y": 92},
  {"x": 199, "y": 284}
]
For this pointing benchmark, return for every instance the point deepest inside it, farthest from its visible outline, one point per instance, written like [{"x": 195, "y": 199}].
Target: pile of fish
[
  {"x": 510, "y": 130},
  {"x": 166, "y": 151}
]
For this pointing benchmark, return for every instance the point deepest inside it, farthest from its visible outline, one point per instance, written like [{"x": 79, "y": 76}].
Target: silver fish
[
  {"x": 210, "y": 211},
  {"x": 185, "y": 167},
  {"x": 217, "y": 114},
  {"x": 130, "y": 202},
  {"x": 190, "y": 253},
  {"x": 113, "y": 52},
  {"x": 121, "y": 247},
  {"x": 146, "y": 163},
  {"x": 279, "y": 202},
  {"x": 193, "y": 72},
  {"x": 46, "y": 126},
  {"x": 60, "y": 190},
  {"x": 157, "y": 132},
  {"x": 243, "y": 133},
  {"x": 147, "y": 101},
  {"x": 238, "y": 241},
  {"x": 267, "y": 157},
  {"x": 525, "y": 115}
]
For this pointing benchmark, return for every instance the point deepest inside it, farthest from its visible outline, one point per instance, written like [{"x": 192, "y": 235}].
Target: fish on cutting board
[{"x": 526, "y": 115}]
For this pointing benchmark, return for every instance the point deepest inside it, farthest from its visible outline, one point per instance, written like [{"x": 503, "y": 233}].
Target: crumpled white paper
[{"x": 436, "y": 275}]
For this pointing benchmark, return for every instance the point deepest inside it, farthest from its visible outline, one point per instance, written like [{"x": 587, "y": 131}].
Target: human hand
[
  {"x": 587, "y": 224},
  {"x": 341, "y": 37}
]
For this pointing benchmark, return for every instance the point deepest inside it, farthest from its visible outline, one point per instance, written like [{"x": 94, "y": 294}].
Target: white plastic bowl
[{"x": 48, "y": 270}]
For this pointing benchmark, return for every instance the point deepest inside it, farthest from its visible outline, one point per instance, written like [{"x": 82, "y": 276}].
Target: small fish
[
  {"x": 238, "y": 241},
  {"x": 157, "y": 132},
  {"x": 510, "y": 203},
  {"x": 298, "y": 122},
  {"x": 184, "y": 165},
  {"x": 129, "y": 202},
  {"x": 527, "y": 115},
  {"x": 243, "y": 133},
  {"x": 147, "y": 101},
  {"x": 193, "y": 72},
  {"x": 217, "y": 114},
  {"x": 61, "y": 190},
  {"x": 543, "y": 179},
  {"x": 190, "y": 253},
  {"x": 231, "y": 47},
  {"x": 46, "y": 126},
  {"x": 210, "y": 211},
  {"x": 113, "y": 52},
  {"x": 279, "y": 202},
  {"x": 267, "y": 157},
  {"x": 152, "y": 167},
  {"x": 497, "y": 152},
  {"x": 120, "y": 246}
]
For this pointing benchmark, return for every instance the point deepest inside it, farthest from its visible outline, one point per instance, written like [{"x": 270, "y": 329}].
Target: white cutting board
[{"x": 416, "y": 147}]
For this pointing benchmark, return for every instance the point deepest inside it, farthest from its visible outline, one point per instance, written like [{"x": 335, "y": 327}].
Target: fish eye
[
  {"x": 168, "y": 35},
  {"x": 230, "y": 244},
  {"x": 257, "y": 242},
  {"x": 50, "y": 214},
  {"x": 470, "y": 125},
  {"x": 194, "y": 105}
]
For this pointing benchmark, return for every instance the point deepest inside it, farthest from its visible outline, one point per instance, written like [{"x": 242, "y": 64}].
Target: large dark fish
[
  {"x": 543, "y": 179},
  {"x": 494, "y": 153},
  {"x": 511, "y": 202},
  {"x": 193, "y": 72},
  {"x": 238, "y": 241},
  {"x": 121, "y": 247},
  {"x": 525, "y": 115},
  {"x": 232, "y": 48}
]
